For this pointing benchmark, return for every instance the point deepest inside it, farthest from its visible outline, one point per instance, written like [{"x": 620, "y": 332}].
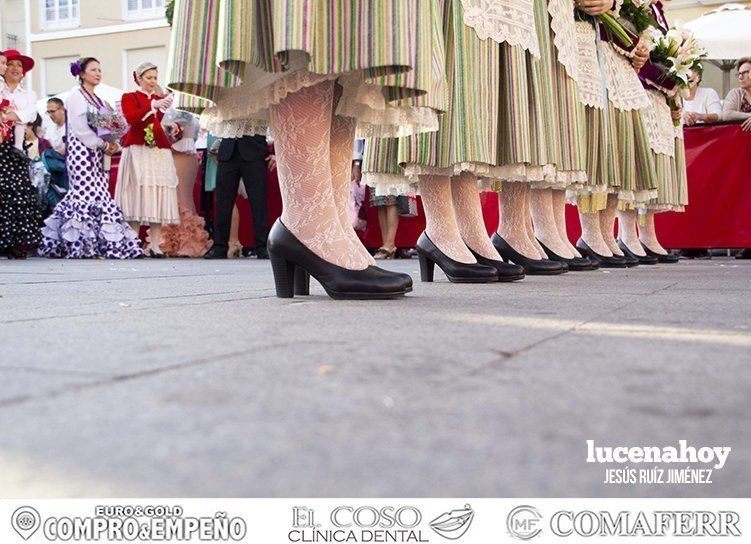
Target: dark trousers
[{"x": 253, "y": 174}]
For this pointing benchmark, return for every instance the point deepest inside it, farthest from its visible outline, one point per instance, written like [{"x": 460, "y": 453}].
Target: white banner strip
[{"x": 428, "y": 521}]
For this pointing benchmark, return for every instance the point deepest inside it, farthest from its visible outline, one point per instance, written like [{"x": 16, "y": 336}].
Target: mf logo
[{"x": 524, "y": 522}]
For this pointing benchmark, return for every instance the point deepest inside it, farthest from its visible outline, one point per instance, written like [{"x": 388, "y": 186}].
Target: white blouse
[
  {"x": 706, "y": 101},
  {"x": 25, "y": 102},
  {"x": 78, "y": 107}
]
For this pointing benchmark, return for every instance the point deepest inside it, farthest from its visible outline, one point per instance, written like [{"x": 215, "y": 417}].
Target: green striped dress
[
  {"x": 510, "y": 116},
  {"x": 245, "y": 55},
  {"x": 668, "y": 156},
  {"x": 618, "y": 154}
]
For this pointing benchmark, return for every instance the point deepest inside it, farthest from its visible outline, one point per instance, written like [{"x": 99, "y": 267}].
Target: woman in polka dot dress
[
  {"x": 19, "y": 215},
  {"x": 87, "y": 223}
]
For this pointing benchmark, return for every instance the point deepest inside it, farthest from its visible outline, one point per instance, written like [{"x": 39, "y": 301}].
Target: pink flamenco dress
[{"x": 189, "y": 237}]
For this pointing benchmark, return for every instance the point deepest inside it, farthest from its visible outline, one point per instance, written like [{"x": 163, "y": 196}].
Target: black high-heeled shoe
[
  {"x": 290, "y": 258},
  {"x": 666, "y": 258},
  {"x": 506, "y": 271},
  {"x": 645, "y": 259},
  {"x": 603, "y": 260},
  {"x": 302, "y": 280},
  {"x": 575, "y": 264},
  {"x": 532, "y": 267},
  {"x": 456, "y": 272},
  {"x": 631, "y": 261}
]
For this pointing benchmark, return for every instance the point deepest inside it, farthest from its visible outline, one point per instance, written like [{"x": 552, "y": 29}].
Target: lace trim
[
  {"x": 565, "y": 35},
  {"x": 659, "y": 125},
  {"x": 509, "y": 21},
  {"x": 512, "y": 172},
  {"x": 625, "y": 90},
  {"x": 246, "y": 109},
  {"x": 389, "y": 184},
  {"x": 236, "y": 128},
  {"x": 637, "y": 199},
  {"x": 590, "y": 77}
]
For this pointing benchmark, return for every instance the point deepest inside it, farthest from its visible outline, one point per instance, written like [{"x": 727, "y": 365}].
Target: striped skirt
[
  {"x": 618, "y": 155},
  {"x": 510, "y": 117},
  {"x": 242, "y": 56},
  {"x": 668, "y": 156},
  {"x": 672, "y": 186}
]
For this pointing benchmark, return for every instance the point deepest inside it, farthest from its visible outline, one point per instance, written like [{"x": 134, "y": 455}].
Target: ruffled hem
[
  {"x": 389, "y": 184},
  {"x": 87, "y": 233},
  {"x": 658, "y": 208},
  {"x": 188, "y": 239},
  {"x": 236, "y": 128},
  {"x": 241, "y": 109}
]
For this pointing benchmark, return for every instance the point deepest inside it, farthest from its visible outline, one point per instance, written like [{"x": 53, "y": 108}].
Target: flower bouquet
[
  {"x": 6, "y": 128},
  {"x": 636, "y": 17},
  {"x": 676, "y": 53},
  {"x": 108, "y": 124},
  {"x": 149, "y": 136},
  {"x": 612, "y": 26}
]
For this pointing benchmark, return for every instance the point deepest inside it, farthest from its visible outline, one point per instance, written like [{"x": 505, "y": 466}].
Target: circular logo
[
  {"x": 524, "y": 522},
  {"x": 25, "y": 521}
]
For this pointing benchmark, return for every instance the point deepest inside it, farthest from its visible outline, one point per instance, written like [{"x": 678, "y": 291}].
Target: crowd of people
[
  {"x": 544, "y": 110},
  {"x": 54, "y": 181}
]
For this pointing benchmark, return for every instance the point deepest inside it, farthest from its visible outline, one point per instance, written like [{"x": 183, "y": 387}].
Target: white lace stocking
[
  {"x": 543, "y": 217},
  {"x": 607, "y": 225},
  {"x": 648, "y": 236},
  {"x": 514, "y": 225},
  {"x": 440, "y": 221},
  {"x": 301, "y": 123},
  {"x": 592, "y": 233},
  {"x": 627, "y": 232},
  {"x": 559, "y": 211},
  {"x": 342, "y": 145},
  {"x": 530, "y": 226},
  {"x": 468, "y": 212}
]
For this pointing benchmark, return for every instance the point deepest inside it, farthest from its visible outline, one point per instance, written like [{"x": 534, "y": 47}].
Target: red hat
[{"x": 26, "y": 62}]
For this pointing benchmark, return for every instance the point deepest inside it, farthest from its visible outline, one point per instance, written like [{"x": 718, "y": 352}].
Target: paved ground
[{"x": 189, "y": 378}]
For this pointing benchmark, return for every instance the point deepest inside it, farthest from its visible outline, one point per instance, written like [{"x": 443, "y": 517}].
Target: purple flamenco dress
[{"x": 87, "y": 223}]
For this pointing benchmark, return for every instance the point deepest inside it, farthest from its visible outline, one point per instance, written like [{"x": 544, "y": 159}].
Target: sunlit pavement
[{"x": 189, "y": 378}]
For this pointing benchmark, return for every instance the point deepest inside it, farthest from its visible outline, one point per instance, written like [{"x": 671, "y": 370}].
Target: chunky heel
[
  {"x": 302, "y": 281},
  {"x": 293, "y": 265},
  {"x": 427, "y": 267},
  {"x": 284, "y": 276}
]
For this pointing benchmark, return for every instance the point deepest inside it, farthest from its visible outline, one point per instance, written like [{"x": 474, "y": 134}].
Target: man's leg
[
  {"x": 256, "y": 185},
  {"x": 227, "y": 181}
]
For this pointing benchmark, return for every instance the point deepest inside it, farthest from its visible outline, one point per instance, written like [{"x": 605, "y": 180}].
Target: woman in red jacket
[{"x": 147, "y": 179}]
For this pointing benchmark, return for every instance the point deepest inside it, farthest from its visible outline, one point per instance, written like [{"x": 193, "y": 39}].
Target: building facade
[{"x": 120, "y": 33}]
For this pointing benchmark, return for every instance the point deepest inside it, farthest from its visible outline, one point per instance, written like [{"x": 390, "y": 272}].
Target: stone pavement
[{"x": 189, "y": 378}]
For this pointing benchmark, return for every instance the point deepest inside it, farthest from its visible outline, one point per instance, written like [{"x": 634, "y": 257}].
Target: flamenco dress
[
  {"x": 87, "y": 223},
  {"x": 19, "y": 213}
]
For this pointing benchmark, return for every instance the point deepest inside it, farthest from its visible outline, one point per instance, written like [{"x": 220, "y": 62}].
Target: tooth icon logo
[
  {"x": 25, "y": 521},
  {"x": 454, "y": 524}
]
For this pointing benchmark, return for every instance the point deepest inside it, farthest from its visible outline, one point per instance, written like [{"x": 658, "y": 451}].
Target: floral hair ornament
[{"x": 76, "y": 68}]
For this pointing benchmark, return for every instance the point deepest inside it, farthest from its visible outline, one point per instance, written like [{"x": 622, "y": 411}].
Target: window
[
  {"x": 56, "y": 75},
  {"x": 144, "y": 9},
  {"x": 59, "y": 14},
  {"x": 11, "y": 41}
]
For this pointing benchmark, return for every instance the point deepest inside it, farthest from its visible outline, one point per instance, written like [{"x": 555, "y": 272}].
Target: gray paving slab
[{"x": 189, "y": 378}]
